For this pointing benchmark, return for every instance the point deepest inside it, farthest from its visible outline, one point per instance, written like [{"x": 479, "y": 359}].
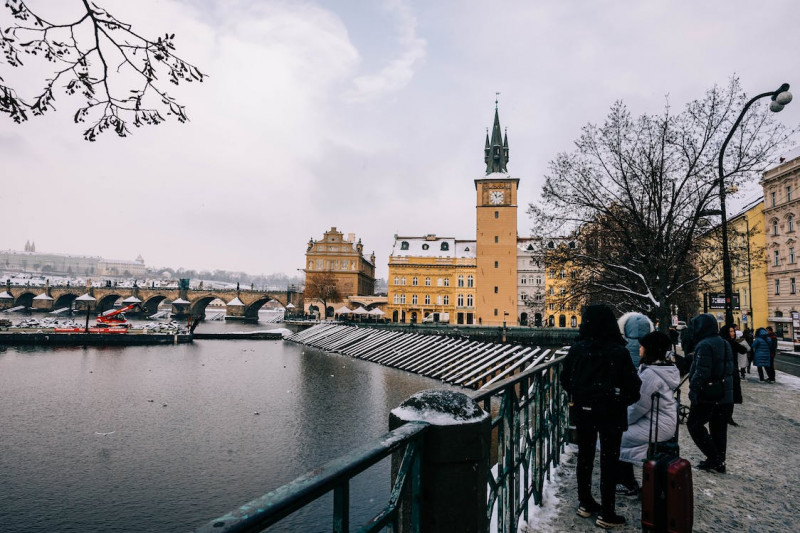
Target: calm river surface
[{"x": 182, "y": 442}]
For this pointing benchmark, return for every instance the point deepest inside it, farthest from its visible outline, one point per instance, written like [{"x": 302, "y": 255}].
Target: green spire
[{"x": 496, "y": 151}]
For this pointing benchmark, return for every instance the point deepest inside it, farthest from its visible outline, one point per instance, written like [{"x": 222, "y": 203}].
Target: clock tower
[{"x": 496, "y": 247}]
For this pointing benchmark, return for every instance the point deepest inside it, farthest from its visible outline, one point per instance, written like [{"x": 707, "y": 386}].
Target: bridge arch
[
  {"x": 65, "y": 300},
  {"x": 198, "y": 306},
  {"x": 104, "y": 303},
  {"x": 150, "y": 305},
  {"x": 25, "y": 298},
  {"x": 251, "y": 311}
]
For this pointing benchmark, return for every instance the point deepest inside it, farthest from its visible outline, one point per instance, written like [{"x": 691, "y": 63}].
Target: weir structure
[{"x": 467, "y": 462}]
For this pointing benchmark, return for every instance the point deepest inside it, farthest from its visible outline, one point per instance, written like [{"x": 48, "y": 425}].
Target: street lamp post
[{"x": 780, "y": 98}]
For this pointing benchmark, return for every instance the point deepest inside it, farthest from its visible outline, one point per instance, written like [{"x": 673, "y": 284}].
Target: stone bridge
[{"x": 243, "y": 303}]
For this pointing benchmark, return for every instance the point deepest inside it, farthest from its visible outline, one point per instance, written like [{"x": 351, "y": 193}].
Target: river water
[{"x": 165, "y": 438}]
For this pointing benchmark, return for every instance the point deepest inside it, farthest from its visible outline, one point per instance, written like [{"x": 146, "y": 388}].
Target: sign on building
[{"x": 716, "y": 300}]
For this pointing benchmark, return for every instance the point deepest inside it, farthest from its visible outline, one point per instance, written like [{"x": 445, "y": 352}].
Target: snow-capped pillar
[{"x": 455, "y": 458}]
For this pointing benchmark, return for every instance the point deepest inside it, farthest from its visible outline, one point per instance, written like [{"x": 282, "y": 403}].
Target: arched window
[
  {"x": 469, "y": 300},
  {"x": 446, "y": 299},
  {"x": 444, "y": 247},
  {"x": 403, "y": 280},
  {"x": 404, "y": 245},
  {"x": 446, "y": 282},
  {"x": 470, "y": 281},
  {"x": 573, "y": 322},
  {"x": 427, "y": 299},
  {"x": 562, "y": 321},
  {"x": 460, "y": 280},
  {"x": 396, "y": 300},
  {"x": 551, "y": 245},
  {"x": 572, "y": 244},
  {"x": 775, "y": 226},
  {"x": 396, "y": 280},
  {"x": 414, "y": 299},
  {"x": 460, "y": 300}
]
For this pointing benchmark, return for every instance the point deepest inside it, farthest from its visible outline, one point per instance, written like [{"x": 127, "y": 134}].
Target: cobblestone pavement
[{"x": 759, "y": 492}]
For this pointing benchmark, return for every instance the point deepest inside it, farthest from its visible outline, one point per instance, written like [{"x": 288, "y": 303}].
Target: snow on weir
[{"x": 459, "y": 361}]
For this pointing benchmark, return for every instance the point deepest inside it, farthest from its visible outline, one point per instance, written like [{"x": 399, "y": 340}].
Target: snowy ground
[{"x": 757, "y": 494}]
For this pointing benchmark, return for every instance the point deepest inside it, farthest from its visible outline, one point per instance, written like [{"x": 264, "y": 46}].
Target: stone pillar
[{"x": 455, "y": 471}]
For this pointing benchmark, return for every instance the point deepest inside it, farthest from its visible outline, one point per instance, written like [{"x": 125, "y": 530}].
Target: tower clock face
[{"x": 496, "y": 197}]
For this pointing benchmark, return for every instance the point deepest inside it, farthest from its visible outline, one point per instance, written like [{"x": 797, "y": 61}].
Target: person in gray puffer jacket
[
  {"x": 633, "y": 327},
  {"x": 713, "y": 360}
]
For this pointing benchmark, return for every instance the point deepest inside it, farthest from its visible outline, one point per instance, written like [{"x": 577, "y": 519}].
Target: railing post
[{"x": 455, "y": 456}]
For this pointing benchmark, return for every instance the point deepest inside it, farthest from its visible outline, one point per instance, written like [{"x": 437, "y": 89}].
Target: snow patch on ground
[{"x": 540, "y": 518}]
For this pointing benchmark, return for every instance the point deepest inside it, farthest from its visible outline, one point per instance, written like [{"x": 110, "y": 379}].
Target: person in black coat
[
  {"x": 712, "y": 363},
  {"x": 729, "y": 334},
  {"x": 602, "y": 382}
]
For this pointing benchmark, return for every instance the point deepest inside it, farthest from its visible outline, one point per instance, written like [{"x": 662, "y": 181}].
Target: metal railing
[
  {"x": 335, "y": 476},
  {"x": 531, "y": 429}
]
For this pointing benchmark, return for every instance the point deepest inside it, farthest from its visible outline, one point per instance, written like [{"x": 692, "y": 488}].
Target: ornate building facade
[
  {"x": 531, "y": 282},
  {"x": 781, "y": 211},
  {"x": 343, "y": 259}
]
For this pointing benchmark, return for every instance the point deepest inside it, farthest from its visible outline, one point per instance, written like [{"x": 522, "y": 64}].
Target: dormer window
[
  {"x": 445, "y": 247},
  {"x": 425, "y": 246},
  {"x": 404, "y": 245}
]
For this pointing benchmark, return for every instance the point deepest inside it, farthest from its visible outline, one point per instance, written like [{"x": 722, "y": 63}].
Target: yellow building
[
  {"x": 432, "y": 279},
  {"x": 343, "y": 259},
  {"x": 562, "y": 307},
  {"x": 487, "y": 266},
  {"x": 747, "y": 242}
]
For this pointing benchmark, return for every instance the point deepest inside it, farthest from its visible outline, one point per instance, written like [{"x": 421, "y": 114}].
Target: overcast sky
[{"x": 367, "y": 116}]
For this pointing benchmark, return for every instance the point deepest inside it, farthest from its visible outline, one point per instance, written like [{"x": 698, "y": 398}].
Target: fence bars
[{"x": 531, "y": 431}]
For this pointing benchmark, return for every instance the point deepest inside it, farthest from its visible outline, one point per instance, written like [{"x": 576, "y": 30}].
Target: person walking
[
  {"x": 728, "y": 333},
  {"x": 601, "y": 380},
  {"x": 660, "y": 376},
  {"x": 762, "y": 357},
  {"x": 710, "y": 393},
  {"x": 773, "y": 350},
  {"x": 633, "y": 327},
  {"x": 743, "y": 359}
]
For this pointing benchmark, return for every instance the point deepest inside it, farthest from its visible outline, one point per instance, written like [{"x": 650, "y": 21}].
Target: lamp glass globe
[
  {"x": 775, "y": 107},
  {"x": 784, "y": 98}
]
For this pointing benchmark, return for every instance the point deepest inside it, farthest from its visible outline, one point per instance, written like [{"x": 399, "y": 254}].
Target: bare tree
[
  {"x": 115, "y": 70},
  {"x": 322, "y": 287},
  {"x": 635, "y": 194}
]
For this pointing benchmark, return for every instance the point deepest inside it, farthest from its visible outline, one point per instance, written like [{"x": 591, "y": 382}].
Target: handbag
[{"x": 713, "y": 390}]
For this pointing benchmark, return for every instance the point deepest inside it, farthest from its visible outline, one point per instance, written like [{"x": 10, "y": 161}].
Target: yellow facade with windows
[
  {"x": 431, "y": 279},
  {"x": 747, "y": 244},
  {"x": 562, "y": 309}
]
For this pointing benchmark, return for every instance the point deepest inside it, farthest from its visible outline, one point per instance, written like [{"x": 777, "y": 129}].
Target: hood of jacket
[
  {"x": 634, "y": 325},
  {"x": 704, "y": 326},
  {"x": 762, "y": 333},
  {"x": 669, "y": 374}
]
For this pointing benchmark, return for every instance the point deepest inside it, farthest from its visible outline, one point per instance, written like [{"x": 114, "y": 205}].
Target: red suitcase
[{"x": 667, "y": 492}]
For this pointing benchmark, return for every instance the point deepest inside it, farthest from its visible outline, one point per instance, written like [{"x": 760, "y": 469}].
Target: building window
[
  {"x": 775, "y": 227},
  {"x": 446, "y": 299},
  {"x": 396, "y": 280},
  {"x": 792, "y": 286},
  {"x": 438, "y": 282},
  {"x": 469, "y": 300},
  {"x": 444, "y": 247},
  {"x": 427, "y": 282},
  {"x": 496, "y": 239},
  {"x": 777, "y": 258},
  {"x": 397, "y": 298},
  {"x": 551, "y": 307},
  {"x": 551, "y": 291},
  {"x": 791, "y": 255},
  {"x": 460, "y": 281},
  {"x": 425, "y": 246},
  {"x": 523, "y": 296},
  {"x": 790, "y": 223},
  {"x": 495, "y": 289},
  {"x": 438, "y": 300},
  {"x": 561, "y": 274},
  {"x": 573, "y": 322},
  {"x": 415, "y": 281},
  {"x": 552, "y": 272},
  {"x": 403, "y": 280},
  {"x": 427, "y": 299},
  {"x": 538, "y": 280},
  {"x": 470, "y": 281},
  {"x": 497, "y": 214},
  {"x": 446, "y": 282},
  {"x": 777, "y": 286},
  {"x": 523, "y": 281},
  {"x": 402, "y": 298},
  {"x": 495, "y": 312},
  {"x": 772, "y": 197},
  {"x": 563, "y": 291},
  {"x": 404, "y": 245},
  {"x": 573, "y": 274},
  {"x": 789, "y": 193},
  {"x": 744, "y": 297},
  {"x": 414, "y": 299},
  {"x": 460, "y": 300},
  {"x": 496, "y": 264}
]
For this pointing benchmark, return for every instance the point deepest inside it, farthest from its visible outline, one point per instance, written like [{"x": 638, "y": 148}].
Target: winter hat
[
  {"x": 739, "y": 334},
  {"x": 655, "y": 344}
]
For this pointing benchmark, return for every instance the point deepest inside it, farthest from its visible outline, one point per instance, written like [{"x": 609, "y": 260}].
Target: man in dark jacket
[
  {"x": 712, "y": 362},
  {"x": 599, "y": 376}
]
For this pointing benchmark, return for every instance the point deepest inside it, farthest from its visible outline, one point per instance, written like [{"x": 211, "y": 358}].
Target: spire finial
[{"x": 496, "y": 96}]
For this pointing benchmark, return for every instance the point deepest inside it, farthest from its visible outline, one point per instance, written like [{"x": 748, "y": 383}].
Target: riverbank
[{"x": 43, "y": 337}]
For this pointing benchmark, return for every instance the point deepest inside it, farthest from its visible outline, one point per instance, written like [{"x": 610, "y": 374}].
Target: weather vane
[{"x": 496, "y": 95}]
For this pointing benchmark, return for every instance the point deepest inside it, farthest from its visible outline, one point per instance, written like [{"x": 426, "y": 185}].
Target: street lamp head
[
  {"x": 783, "y": 98},
  {"x": 775, "y": 107}
]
